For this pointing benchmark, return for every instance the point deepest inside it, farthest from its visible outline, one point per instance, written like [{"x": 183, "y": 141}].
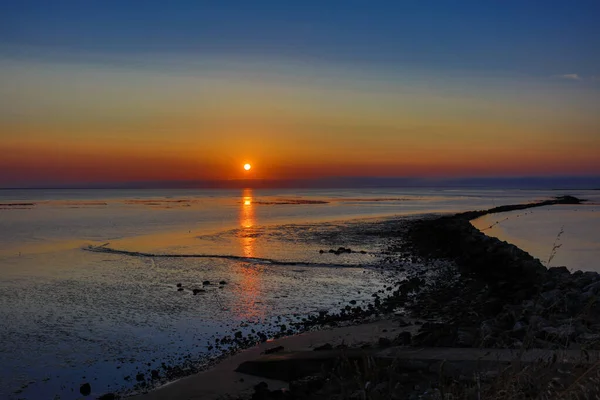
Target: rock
[
  {"x": 403, "y": 339},
  {"x": 352, "y": 302},
  {"x": 154, "y": 373},
  {"x": 108, "y": 396},
  {"x": 593, "y": 288},
  {"x": 519, "y": 326},
  {"x": 559, "y": 271},
  {"x": 139, "y": 377},
  {"x": 519, "y": 330},
  {"x": 304, "y": 387},
  {"x": 206, "y": 283},
  {"x": 274, "y": 350},
  {"x": 261, "y": 390},
  {"x": 180, "y": 289},
  {"x": 179, "y": 285},
  {"x": 223, "y": 283},
  {"x": 551, "y": 296},
  {"x": 326, "y": 346},
  {"x": 85, "y": 389},
  {"x": 384, "y": 342},
  {"x": 196, "y": 291}
]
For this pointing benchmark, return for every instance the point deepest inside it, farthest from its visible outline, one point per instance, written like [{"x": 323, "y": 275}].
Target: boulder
[{"x": 85, "y": 389}]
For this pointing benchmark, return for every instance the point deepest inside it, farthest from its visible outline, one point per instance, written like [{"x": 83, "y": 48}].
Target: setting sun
[{"x": 247, "y": 167}]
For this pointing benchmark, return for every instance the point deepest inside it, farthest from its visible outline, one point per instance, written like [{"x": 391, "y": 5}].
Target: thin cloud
[{"x": 570, "y": 77}]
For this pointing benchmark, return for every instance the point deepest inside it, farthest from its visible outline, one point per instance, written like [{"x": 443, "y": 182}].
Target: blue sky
[{"x": 527, "y": 37}]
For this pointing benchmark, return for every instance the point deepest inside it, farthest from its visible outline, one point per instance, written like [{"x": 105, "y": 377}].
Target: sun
[{"x": 247, "y": 167}]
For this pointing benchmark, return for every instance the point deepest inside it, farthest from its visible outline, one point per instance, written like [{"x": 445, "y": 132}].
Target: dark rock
[
  {"x": 196, "y": 291},
  {"x": 559, "y": 271},
  {"x": 180, "y": 289},
  {"x": 206, "y": 283},
  {"x": 403, "y": 339},
  {"x": 326, "y": 346},
  {"x": 223, "y": 283},
  {"x": 274, "y": 350},
  {"x": 85, "y": 389},
  {"x": 154, "y": 373},
  {"x": 261, "y": 390},
  {"x": 139, "y": 377},
  {"x": 551, "y": 296},
  {"x": 304, "y": 387},
  {"x": 352, "y": 302},
  {"x": 179, "y": 285},
  {"x": 592, "y": 288}
]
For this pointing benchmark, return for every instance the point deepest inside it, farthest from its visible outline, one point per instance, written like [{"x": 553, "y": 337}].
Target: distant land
[{"x": 548, "y": 183}]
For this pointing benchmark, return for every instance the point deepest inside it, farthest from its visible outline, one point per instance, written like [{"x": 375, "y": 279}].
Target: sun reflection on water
[{"x": 250, "y": 283}]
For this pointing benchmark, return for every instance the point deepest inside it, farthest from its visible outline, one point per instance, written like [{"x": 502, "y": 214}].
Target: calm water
[{"x": 71, "y": 316}]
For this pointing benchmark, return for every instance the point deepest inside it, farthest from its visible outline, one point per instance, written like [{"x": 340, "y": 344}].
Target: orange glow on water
[{"x": 251, "y": 281}]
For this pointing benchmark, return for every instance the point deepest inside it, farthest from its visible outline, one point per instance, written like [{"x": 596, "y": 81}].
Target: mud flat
[{"x": 473, "y": 291}]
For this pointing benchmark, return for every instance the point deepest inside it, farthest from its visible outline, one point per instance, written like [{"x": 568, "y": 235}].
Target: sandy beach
[{"x": 221, "y": 381}]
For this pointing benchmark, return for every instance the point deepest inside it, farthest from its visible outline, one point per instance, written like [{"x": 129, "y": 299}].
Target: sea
[{"x": 97, "y": 286}]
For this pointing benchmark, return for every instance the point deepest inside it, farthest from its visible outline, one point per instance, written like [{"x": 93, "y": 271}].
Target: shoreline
[{"x": 420, "y": 241}]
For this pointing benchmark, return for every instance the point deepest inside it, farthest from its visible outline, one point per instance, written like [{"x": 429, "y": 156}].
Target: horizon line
[{"x": 591, "y": 182}]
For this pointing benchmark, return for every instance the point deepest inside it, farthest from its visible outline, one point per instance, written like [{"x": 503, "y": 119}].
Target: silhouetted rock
[
  {"x": 326, "y": 346},
  {"x": 206, "y": 283},
  {"x": 85, "y": 389},
  {"x": 274, "y": 350}
]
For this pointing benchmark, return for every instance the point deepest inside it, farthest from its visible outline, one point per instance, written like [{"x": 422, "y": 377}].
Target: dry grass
[{"x": 544, "y": 379}]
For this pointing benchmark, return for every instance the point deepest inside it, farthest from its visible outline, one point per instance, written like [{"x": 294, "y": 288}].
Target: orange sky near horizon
[{"x": 88, "y": 123}]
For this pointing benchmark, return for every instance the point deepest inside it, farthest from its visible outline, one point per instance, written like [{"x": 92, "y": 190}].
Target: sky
[{"x": 120, "y": 91}]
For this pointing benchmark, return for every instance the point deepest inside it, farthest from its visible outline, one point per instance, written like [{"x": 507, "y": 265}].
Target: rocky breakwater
[{"x": 504, "y": 296}]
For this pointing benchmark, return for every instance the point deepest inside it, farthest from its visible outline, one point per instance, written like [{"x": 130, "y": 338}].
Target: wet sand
[{"x": 222, "y": 381}]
